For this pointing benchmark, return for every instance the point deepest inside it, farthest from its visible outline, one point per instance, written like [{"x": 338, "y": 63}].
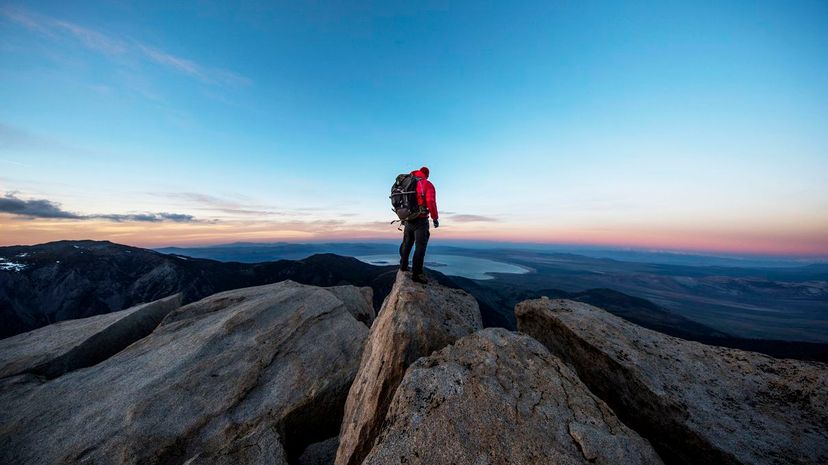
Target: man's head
[{"x": 424, "y": 170}]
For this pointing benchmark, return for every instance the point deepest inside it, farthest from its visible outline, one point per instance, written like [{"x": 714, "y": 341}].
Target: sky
[{"x": 691, "y": 126}]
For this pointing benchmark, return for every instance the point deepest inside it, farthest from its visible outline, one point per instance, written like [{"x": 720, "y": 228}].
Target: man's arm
[{"x": 431, "y": 200}]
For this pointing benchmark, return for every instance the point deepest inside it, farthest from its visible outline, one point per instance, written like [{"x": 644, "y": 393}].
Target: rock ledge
[
  {"x": 696, "y": 403},
  {"x": 414, "y": 321}
]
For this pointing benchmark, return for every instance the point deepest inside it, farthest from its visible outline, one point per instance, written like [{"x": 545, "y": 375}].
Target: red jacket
[{"x": 426, "y": 195}]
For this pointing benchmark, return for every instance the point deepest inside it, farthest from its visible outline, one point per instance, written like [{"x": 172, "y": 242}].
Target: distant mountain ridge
[
  {"x": 254, "y": 252},
  {"x": 64, "y": 280},
  {"x": 74, "y": 279},
  {"x": 744, "y": 297},
  {"x": 284, "y": 249}
]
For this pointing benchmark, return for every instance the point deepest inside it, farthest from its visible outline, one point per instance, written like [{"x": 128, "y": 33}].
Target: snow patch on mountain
[{"x": 8, "y": 265}]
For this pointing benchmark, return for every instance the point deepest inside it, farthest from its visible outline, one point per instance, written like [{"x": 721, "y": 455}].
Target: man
[{"x": 416, "y": 230}]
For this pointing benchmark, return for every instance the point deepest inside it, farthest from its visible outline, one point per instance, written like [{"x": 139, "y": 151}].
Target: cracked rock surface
[
  {"x": 246, "y": 376},
  {"x": 69, "y": 344},
  {"x": 696, "y": 403},
  {"x": 498, "y": 397},
  {"x": 414, "y": 321}
]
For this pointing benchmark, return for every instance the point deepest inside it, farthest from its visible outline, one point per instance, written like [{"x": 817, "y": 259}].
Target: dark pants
[{"x": 416, "y": 232}]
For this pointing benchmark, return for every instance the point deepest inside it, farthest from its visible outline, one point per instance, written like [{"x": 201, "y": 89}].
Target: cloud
[
  {"x": 42, "y": 208},
  {"x": 147, "y": 217},
  {"x": 243, "y": 207},
  {"x": 91, "y": 39},
  {"x": 33, "y": 208},
  {"x": 460, "y": 218},
  {"x": 112, "y": 46},
  {"x": 179, "y": 64},
  {"x": 189, "y": 67},
  {"x": 20, "y": 17},
  {"x": 214, "y": 203},
  {"x": 12, "y": 162}
]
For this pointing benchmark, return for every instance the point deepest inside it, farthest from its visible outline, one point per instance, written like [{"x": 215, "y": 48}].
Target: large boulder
[
  {"x": 246, "y": 376},
  {"x": 499, "y": 397},
  {"x": 414, "y": 321},
  {"x": 69, "y": 345},
  {"x": 696, "y": 403}
]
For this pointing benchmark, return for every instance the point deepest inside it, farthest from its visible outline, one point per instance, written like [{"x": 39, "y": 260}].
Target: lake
[{"x": 453, "y": 265}]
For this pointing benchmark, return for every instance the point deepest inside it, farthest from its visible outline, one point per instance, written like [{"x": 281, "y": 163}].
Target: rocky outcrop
[
  {"x": 414, "y": 321},
  {"x": 246, "y": 376},
  {"x": 499, "y": 397},
  {"x": 74, "y": 344},
  {"x": 67, "y": 280},
  {"x": 695, "y": 403},
  {"x": 358, "y": 301}
]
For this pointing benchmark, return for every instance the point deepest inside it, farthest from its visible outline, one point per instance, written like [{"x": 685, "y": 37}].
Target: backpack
[{"x": 404, "y": 198}]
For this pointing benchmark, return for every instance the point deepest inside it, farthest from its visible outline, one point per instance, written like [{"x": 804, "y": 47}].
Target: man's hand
[{"x": 436, "y": 224}]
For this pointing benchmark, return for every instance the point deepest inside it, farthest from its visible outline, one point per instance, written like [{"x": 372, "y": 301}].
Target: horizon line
[{"x": 488, "y": 242}]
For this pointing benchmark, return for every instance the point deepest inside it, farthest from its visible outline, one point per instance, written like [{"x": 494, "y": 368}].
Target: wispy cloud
[
  {"x": 220, "y": 204},
  {"x": 115, "y": 46},
  {"x": 91, "y": 39},
  {"x": 461, "y": 218},
  {"x": 191, "y": 68},
  {"x": 43, "y": 208},
  {"x": 14, "y": 141},
  {"x": 19, "y": 16},
  {"x": 12, "y": 162},
  {"x": 242, "y": 206},
  {"x": 12, "y": 137},
  {"x": 147, "y": 217}
]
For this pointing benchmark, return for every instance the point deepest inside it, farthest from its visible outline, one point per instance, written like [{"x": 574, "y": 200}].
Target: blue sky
[{"x": 645, "y": 124}]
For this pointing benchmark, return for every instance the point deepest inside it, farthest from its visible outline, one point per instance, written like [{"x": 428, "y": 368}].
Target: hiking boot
[
  {"x": 403, "y": 267},
  {"x": 418, "y": 278}
]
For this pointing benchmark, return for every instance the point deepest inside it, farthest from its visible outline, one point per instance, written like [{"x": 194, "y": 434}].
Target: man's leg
[
  {"x": 421, "y": 236},
  {"x": 405, "y": 246}
]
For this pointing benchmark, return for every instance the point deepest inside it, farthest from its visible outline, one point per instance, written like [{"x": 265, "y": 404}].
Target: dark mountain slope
[
  {"x": 497, "y": 301},
  {"x": 64, "y": 280},
  {"x": 503, "y": 298}
]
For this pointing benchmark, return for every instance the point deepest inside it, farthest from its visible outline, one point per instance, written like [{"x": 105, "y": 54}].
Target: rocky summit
[
  {"x": 69, "y": 345},
  {"x": 296, "y": 374},
  {"x": 246, "y": 376},
  {"x": 696, "y": 403},
  {"x": 500, "y": 397},
  {"x": 413, "y": 322}
]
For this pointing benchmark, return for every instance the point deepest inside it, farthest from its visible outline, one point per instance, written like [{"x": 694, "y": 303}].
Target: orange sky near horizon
[{"x": 782, "y": 241}]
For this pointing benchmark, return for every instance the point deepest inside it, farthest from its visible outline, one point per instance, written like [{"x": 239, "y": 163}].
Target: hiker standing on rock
[{"x": 413, "y": 198}]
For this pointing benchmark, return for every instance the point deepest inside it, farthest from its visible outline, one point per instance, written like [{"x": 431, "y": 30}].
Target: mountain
[
  {"x": 758, "y": 303},
  {"x": 246, "y": 376},
  {"x": 414, "y": 321},
  {"x": 747, "y": 297},
  {"x": 252, "y": 252},
  {"x": 65, "y": 280},
  {"x": 293, "y": 374},
  {"x": 57, "y": 281},
  {"x": 75, "y": 279},
  {"x": 497, "y": 299},
  {"x": 695, "y": 403}
]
